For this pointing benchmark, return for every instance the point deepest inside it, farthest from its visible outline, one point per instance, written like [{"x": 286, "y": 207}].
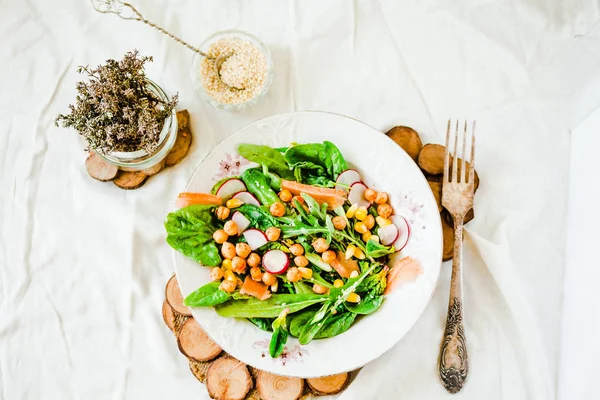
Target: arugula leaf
[
  {"x": 190, "y": 229},
  {"x": 258, "y": 185},
  {"x": 367, "y": 305},
  {"x": 376, "y": 249},
  {"x": 269, "y": 308},
  {"x": 280, "y": 334},
  {"x": 267, "y": 156},
  {"x": 208, "y": 295}
]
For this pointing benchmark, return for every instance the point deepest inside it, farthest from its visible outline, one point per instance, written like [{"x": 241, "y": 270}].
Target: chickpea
[
  {"x": 339, "y": 223},
  {"x": 361, "y": 213},
  {"x": 297, "y": 249},
  {"x": 319, "y": 289},
  {"x": 293, "y": 274},
  {"x": 384, "y": 210},
  {"x": 369, "y": 221},
  {"x": 277, "y": 209},
  {"x": 273, "y": 234},
  {"x": 227, "y": 286},
  {"x": 238, "y": 264},
  {"x": 216, "y": 274},
  {"x": 381, "y": 198},
  {"x": 256, "y": 274},
  {"x": 285, "y": 195},
  {"x": 242, "y": 250},
  {"x": 223, "y": 213},
  {"x": 231, "y": 228},
  {"x": 301, "y": 261},
  {"x": 228, "y": 250},
  {"x": 220, "y": 236},
  {"x": 239, "y": 282},
  {"x": 370, "y": 195},
  {"x": 329, "y": 256},
  {"x": 320, "y": 245},
  {"x": 253, "y": 260},
  {"x": 269, "y": 279}
]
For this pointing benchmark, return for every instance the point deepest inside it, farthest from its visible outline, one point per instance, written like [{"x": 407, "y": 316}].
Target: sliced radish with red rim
[
  {"x": 255, "y": 238},
  {"x": 347, "y": 179},
  {"x": 247, "y": 198},
  {"x": 230, "y": 187},
  {"x": 388, "y": 234},
  {"x": 404, "y": 231},
  {"x": 275, "y": 262},
  {"x": 241, "y": 221},
  {"x": 357, "y": 195}
]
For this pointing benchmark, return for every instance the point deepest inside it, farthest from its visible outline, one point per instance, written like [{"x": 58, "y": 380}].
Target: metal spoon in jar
[{"x": 126, "y": 11}]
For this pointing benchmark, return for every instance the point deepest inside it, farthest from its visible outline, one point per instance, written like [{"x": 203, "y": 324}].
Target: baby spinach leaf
[
  {"x": 299, "y": 320},
  {"x": 376, "y": 249},
  {"x": 267, "y": 156},
  {"x": 269, "y": 308},
  {"x": 258, "y": 217},
  {"x": 190, "y": 229},
  {"x": 338, "y": 163},
  {"x": 262, "y": 323},
  {"x": 258, "y": 185},
  {"x": 274, "y": 179},
  {"x": 207, "y": 296},
  {"x": 335, "y": 325},
  {"x": 367, "y": 305},
  {"x": 280, "y": 334}
]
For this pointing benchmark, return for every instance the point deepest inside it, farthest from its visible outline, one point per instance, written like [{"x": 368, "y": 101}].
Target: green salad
[{"x": 298, "y": 245}]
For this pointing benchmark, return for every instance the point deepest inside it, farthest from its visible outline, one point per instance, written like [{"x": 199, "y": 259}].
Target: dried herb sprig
[{"x": 115, "y": 110}]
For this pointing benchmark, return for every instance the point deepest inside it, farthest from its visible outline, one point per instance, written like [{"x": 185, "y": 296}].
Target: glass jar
[
  {"x": 197, "y": 65},
  {"x": 141, "y": 159}
]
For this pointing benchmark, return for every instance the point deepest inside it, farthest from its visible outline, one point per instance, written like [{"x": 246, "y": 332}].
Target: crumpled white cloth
[{"x": 83, "y": 264}]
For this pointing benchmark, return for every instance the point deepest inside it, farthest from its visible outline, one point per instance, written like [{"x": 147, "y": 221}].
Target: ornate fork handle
[{"x": 454, "y": 361}]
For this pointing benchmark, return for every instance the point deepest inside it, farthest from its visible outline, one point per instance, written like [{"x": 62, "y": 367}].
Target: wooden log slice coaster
[
  {"x": 182, "y": 143},
  {"x": 228, "y": 379},
  {"x": 194, "y": 343},
  {"x": 275, "y": 387},
  {"x": 130, "y": 180},
  {"x": 448, "y": 235},
  {"x": 100, "y": 169},
  {"x": 328, "y": 385},
  {"x": 155, "y": 169},
  {"x": 431, "y": 159},
  {"x": 408, "y": 139},
  {"x": 168, "y": 315},
  {"x": 174, "y": 297},
  {"x": 436, "y": 188}
]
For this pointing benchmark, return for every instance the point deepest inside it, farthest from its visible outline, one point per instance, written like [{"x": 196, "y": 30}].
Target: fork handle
[{"x": 453, "y": 362}]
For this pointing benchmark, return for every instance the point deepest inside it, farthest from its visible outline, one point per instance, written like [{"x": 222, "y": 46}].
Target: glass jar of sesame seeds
[{"x": 245, "y": 76}]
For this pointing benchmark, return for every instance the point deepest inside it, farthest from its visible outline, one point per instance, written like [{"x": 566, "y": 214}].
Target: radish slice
[
  {"x": 404, "y": 231},
  {"x": 388, "y": 234},
  {"x": 255, "y": 238},
  {"x": 230, "y": 187},
  {"x": 357, "y": 195},
  {"x": 247, "y": 198},
  {"x": 347, "y": 179},
  {"x": 241, "y": 221},
  {"x": 275, "y": 262}
]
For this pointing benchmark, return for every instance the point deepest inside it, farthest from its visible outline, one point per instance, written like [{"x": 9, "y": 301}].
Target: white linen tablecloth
[{"x": 83, "y": 264}]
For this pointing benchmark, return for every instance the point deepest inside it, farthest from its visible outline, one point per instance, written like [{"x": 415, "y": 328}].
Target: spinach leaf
[
  {"x": 269, "y": 308},
  {"x": 376, "y": 249},
  {"x": 335, "y": 325},
  {"x": 274, "y": 179},
  {"x": 190, "y": 229},
  {"x": 367, "y": 305},
  {"x": 338, "y": 163},
  {"x": 320, "y": 180},
  {"x": 299, "y": 320},
  {"x": 258, "y": 185},
  {"x": 258, "y": 217},
  {"x": 262, "y": 323},
  {"x": 267, "y": 156},
  {"x": 280, "y": 334},
  {"x": 207, "y": 296}
]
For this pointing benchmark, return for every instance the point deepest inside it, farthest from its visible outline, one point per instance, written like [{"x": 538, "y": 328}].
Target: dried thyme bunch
[{"x": 115, "y": 110}]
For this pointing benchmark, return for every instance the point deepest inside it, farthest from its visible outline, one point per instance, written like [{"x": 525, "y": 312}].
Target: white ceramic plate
[{"x": 384, "y": 166}]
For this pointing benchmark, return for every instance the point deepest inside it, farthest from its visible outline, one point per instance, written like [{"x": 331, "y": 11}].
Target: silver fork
[{"x": 457, "y": 198}]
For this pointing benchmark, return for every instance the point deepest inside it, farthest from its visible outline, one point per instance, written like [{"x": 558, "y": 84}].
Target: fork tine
[
  {"x": 472, "y": 168},
  {"x": 447, "y": 155},
  {"x": 455, "y": 161},
  {"x": 463, "y": 155}
]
